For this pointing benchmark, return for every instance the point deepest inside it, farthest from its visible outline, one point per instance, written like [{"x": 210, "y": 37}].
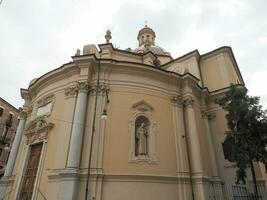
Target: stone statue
[
  {"x": 108, "y": 36},
  {"x": 141, "y": 137}
]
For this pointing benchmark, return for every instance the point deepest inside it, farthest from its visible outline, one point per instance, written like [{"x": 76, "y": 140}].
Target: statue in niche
[{"x": 141, "y": 136}]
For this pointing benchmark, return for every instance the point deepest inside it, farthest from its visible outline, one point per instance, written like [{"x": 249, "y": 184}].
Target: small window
[
  {"x": 9, "y": 120},
  {"x": 1, "y": 111}
]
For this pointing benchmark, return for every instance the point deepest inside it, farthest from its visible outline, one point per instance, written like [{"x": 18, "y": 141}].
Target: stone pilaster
[
  {"x": 194, "y": 148},
  {"x": 180, "y": 144},
  {"x": 215, "y": 171},
  {"x": 210, "y": 122}
]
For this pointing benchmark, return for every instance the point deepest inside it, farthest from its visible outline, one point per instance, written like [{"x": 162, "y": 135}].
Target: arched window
[{"x": 141, "y": 136}]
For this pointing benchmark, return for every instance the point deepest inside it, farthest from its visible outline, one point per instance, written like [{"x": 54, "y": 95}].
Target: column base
[
  {"x": 68, "y": 184},
  {"x": 3, "y": 187},
  {"x": 201, "y": 186}
]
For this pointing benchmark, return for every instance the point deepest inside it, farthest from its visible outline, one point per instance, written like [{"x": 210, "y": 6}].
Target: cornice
[
  {"x": 184, "y": 57},
  {"x": 48, "y": 78}
]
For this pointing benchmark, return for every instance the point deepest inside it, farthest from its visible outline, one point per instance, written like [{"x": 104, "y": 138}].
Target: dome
[
  {"x": 146, "y": 30},
  {"x": 153, "y": 48},
  {"x": 146, "y": 38}
]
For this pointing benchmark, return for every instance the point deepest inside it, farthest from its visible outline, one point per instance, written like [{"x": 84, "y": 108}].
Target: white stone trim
[{"x": 146, "y": 112}]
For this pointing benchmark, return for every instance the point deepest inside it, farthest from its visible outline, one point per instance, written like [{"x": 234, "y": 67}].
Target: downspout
[
  {"x": 93, "y": 132},
  {"x": 189, "y": 161}
]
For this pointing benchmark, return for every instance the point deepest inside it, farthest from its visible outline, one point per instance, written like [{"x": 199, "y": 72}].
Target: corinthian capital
[
  {"x": 102, "y": 89},
  {"x": 188, "y": 101},
  {"x": 212, "y": 116},
  {"x": 71, "y": 91},
  {"x": 177, "y": 100},
  {"x": 83, "y": 86},
  {"x": 22, "y": 113}
]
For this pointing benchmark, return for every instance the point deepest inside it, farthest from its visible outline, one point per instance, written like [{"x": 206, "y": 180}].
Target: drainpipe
[
  {"x": 93, "y": 132},
  {"x": 189, "y": 162}
]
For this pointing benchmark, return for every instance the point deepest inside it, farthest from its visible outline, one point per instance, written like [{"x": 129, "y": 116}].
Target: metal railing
[{"x": 237, "y": 192}]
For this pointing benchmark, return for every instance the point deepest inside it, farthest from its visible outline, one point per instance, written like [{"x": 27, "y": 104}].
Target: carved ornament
[
  {"x": 212, "y": 116},
  {"x": 143, "y": 106},
  {"x": 83, "y": 86},
  {"x": 102, "y": 89},
  {"x": 71, "y": 91},
  {"x": 22, "y": 113},
  {"x": 177, "y": 100},
  {"x": 46, "y": 100},
  {"x": 37, "y": 130},
  {"x": 188, "y": 101}
]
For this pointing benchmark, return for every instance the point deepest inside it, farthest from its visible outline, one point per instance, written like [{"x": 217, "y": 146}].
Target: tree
[{"x": 245, "y": 140}]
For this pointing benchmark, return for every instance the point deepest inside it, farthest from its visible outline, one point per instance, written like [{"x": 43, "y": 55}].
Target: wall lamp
[{"x": 104, "y": 114}]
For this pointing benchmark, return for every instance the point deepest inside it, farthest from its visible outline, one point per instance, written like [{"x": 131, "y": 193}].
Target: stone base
[
  {"x": 3, "y": 186},
  {"x": 68, "y": 184}
]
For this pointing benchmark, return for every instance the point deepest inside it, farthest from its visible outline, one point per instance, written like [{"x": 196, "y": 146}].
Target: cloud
[{"x": 256, "y": 86}]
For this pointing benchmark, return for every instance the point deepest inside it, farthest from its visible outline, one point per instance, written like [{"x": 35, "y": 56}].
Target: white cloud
[{"x": 257, "y": 85}]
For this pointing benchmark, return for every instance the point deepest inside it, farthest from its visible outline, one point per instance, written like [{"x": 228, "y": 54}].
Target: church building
[{"x": 132, "y": 124}]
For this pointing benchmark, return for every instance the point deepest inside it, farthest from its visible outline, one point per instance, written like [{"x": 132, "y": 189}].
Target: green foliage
[{"x": 247, "y": 122}]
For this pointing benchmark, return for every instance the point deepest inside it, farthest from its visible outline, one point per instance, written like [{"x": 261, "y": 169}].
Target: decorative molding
[
  {"x": 212, "y": 116},
  {"x": 29, "y": 110},
  {"x": 71, "y": 91},
  {"x": 46, "y": 100},
  {"x": 143, "y": 106},
  {"x": 22, "y": 113},
  {"x": 204, "y": 113},
  {"x": 177, "y": 100},
  {"x": 103, "y": 88},
  {"x": 37, "y": 130},
  {"x": 83, "y": 86},
  {"x": 188, "y": 101}
]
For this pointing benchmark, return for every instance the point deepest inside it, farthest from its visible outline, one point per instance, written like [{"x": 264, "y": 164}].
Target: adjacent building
[
  {"x": 129, "y": 124},
  {"x": 8, "y": 124}
]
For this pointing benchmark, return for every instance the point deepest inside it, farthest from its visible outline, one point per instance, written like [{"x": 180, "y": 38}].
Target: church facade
[{"x": 125, "y": 124}]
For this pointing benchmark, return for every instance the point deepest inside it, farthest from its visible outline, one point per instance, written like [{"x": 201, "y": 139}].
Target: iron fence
[{"x": 237, "y": 192}]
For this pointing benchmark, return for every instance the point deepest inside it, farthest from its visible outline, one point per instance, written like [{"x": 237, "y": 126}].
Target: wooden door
[{"x": 30, "y": 172}]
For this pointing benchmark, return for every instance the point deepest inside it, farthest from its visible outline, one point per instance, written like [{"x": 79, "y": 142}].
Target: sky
[{"x": 39, "y": 36}]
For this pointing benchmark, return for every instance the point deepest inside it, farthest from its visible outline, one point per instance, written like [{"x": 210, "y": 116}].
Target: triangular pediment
[{"x": 143, "y": 106}]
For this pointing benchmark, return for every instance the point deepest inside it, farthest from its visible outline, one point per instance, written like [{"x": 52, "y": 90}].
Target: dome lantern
[{"x": 146, "y": 36}]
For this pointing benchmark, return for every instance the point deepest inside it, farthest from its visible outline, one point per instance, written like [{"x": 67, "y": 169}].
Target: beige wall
[
  {"x": 218, "y": 71},
  {"x": 117, "y": 140},
  {"x": 129, "y": 84}
]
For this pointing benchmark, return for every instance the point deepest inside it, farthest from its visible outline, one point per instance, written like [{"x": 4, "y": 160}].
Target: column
[
  {"x": 184, "y": 191},
  {"x": 69, "y": 176},
  {"x": 13, "y": 154},
  {"x": 77, "y": 130},
  {"x": 215, "y": 171},
  {"x": 194, "y": 148},
  {"x": 219, "y": 157}
]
